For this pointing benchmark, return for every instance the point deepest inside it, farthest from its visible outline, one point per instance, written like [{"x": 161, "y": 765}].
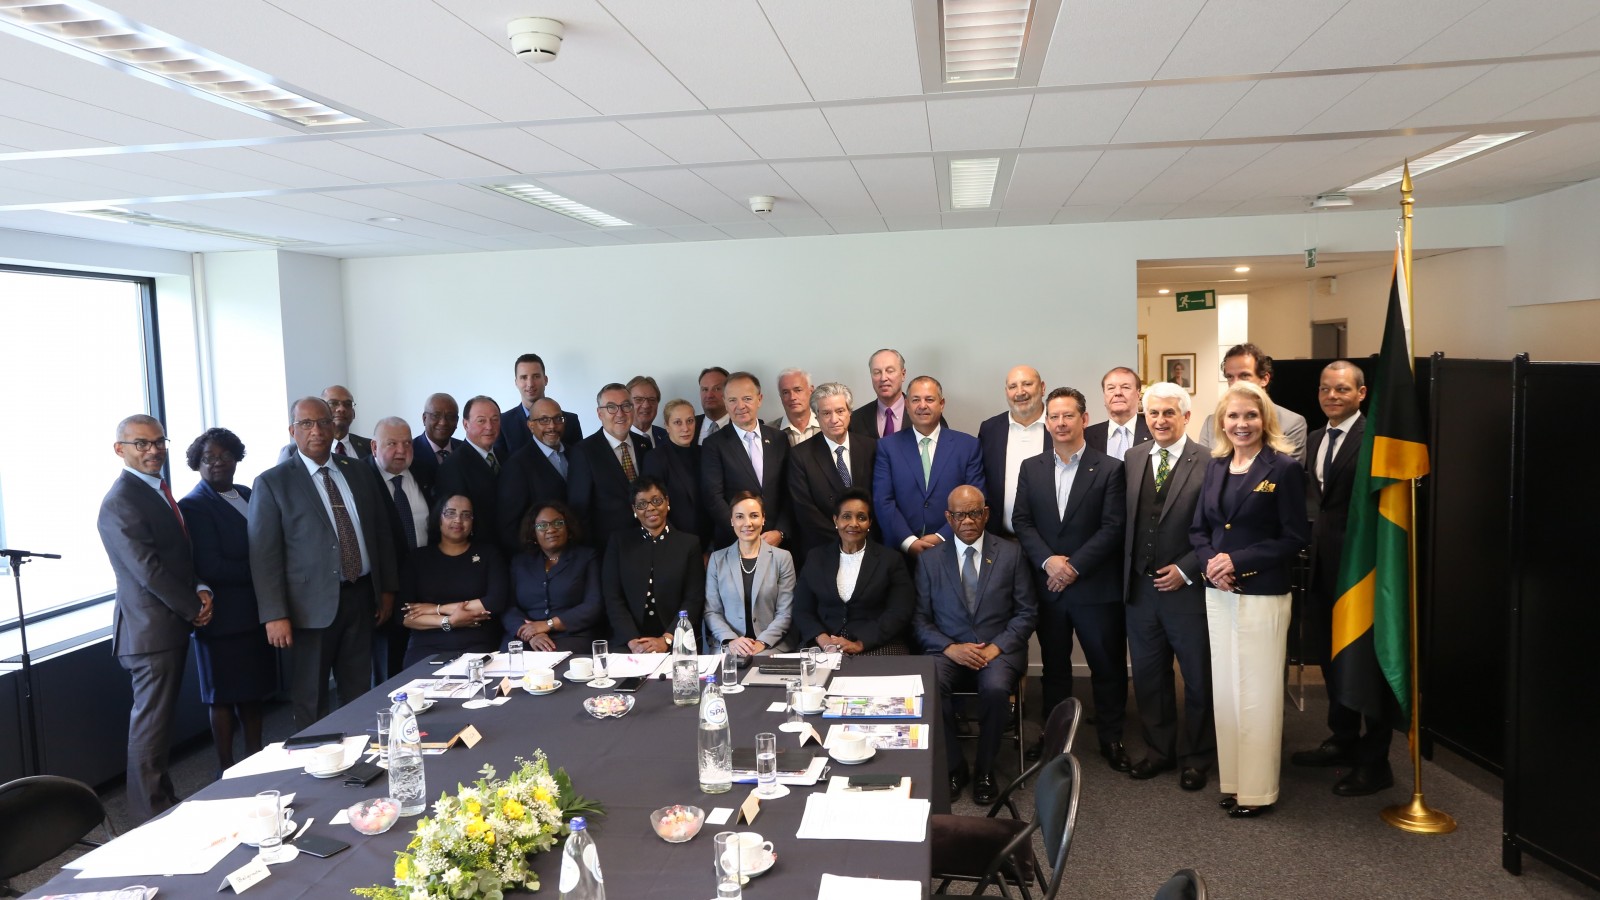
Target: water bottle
[
  {"x": 406, "y": 783},
  {"x": 716, "y": 743},
  {"x": 580, "y": 865},
  {"x": 683, "y": 643}
]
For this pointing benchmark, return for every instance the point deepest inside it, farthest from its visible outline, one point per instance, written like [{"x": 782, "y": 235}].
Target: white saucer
[
  {"x": 573, "y": 676},
  {"x": 538, "y": 692},
  {"x": 334, "y": 774},
  {"x": 288, "y": 853},
  {"x": 734, "y": 688},
  {"x": 871, "y": 752},
  {"x": 602, "y": 683},
  {"x": 783, "y": 791},
  {"x": 288, "y": 829},
  {"x": 809, "y": 712}
]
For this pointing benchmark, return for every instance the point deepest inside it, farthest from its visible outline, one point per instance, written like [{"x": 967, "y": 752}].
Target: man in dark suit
[
  {"x": 1009, "y": 438},
  {"x": 603, "y": 464},
  {"x": 159, "y": 599},
  {"x": 646, "y": 397},
  {"x": 1123, "y": 426},
  {"x": 713, "y": 406},
  {"x": 440, "y": 416},
  {"x": 474, "y": 471},
  {"x": 975, "y": 613},
  {"x": 886, "y": 414},
  {"x": 824, "y": 466},
  {"x": 531, "y": 382},
  {"x": 1069, "y": 517},
  {"x": 408, "y": 497},
  {"x": 323, "y": 562},
  {"x": 1330, "y": 475},
  {"x": 535, "y": 475},
  {"x": 1166, "y": 595},
  {"x": 343, "y": 405},
  {"x": 919, "y": 465},
  {"x": 749, "y": 456}
]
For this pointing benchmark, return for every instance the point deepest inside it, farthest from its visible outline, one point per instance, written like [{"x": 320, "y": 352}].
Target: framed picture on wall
[
  {"x": 1141, "y": 356},
  {"x": 1178, "y": 368}
]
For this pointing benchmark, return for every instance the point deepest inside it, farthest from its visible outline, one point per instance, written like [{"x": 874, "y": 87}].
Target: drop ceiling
[{"x": 671, "y": 115}]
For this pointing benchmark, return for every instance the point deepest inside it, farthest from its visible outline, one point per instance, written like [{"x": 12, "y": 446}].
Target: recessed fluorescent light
[
  {"x": 1164, "y": 291},
  {"x": 130, "y": 217},
  {"x": 983, "y": 39},
  {"x": 1457, "y": 151},
  {"x": 972, "y": 183},
  {"x": 1241, "y": 269},
  {"x": 382, "y": 220},
  {"x": 538, "y": 196},
  {"x": 102, "y": 35}
]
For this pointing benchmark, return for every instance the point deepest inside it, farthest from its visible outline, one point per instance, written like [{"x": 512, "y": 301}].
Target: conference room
[{"x": 210, "y": 211}]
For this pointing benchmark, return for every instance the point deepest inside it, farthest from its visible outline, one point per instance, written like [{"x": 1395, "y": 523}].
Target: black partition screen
[{"x": 1551, "y": 793}]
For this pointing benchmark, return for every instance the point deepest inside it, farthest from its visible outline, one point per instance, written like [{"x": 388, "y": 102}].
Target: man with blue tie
[
  {"x": 917, "y": 467},
  {"x": 749, "y": 456},
  {"x": 1069, "y": 517},
  {"x": 535, "y": 475},
  {"x": 824, "y": 466},
  {"x": 531, "y": 382},
  {"x": 1123, "y": 426}
]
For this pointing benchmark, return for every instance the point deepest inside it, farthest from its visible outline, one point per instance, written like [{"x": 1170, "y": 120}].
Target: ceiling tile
[
  {"x": 1045, "y": 180},
  {"x": 926, "y": 222},
  {"x": 965, "y": 123},
  {"x": 901, "y": 186},
  {"x": 1076, "y": 215},
  {"x": 801, "y": 227},
  {"x": 1120, "y": 174},
  {"x": 740, "y": 182},
  {"x": 832, "y": 188},
  {"x": 969, "y": 218},
  {"x": 1504, "y": 28},
  {"x": 25, "y": 136},
  {"x": 1142, "y": 212},
  {"x": 1504, "y": 89},
  {"x": 690, "y": 193},
  {"x": 1283, "y": 105},
  {"x": 1576, "y": 99},
  {"x": 874, "y": 55},
  {"x": 696, "y": 233},
  {"x": 1013, "y": 217},
  {"x": 427, "y": 154},
  {"x": 611, "y": 194},
  {"x": 1097, "y": 42},
  {"x": 1239, "y": 36},
  {"x": 497, "y": 207},
  {"x": 1390, "y": 97},
  {"x": 1178, "y": 112},
  {"x": 749, "y": 230},
  {"x": 857, "y": 224},
  {"x": 692, "y": 139},
  {"x": 344, "y": 159},
  {"x": 605, "y": 145},
  {"x": 881, "y": 127},
  {"x": 1198, "y": 169},
  {"x": 411, "y": 207},
  {"x": 1349, "y": 37},
  {"x": 1076, "y": 118},
  {"x": 264, "y": 165},
  {"x": 515, "y": 149},
  {"x": 750, "y": 66},
  {"x": 786, "y": 133}
]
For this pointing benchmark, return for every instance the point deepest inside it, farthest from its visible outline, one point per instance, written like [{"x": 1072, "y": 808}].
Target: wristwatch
[
  {"x": 444, "y": 622},
  {"x": 550, "y": 625}
]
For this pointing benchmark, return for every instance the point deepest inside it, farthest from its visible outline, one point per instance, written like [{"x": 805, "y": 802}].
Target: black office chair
[
  {"x": 1059, "y": 733},
  {"x": 992, "y": 850},
  {"x": 1185, "y": 884},
  {"x": 1013, "y": 731},
  {"x": 40, "y": 817}
]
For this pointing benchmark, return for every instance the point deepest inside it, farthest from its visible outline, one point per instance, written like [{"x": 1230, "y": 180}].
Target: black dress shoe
[
  {"x": 984, "y": 790},
  {"x": 958, "y": 780},
  {"x": 1192, "y": 779},
  {"x": 1364, "y": 780},
  {"x": 1228, "y": 802},
  {"x": 1117, "y": 756},
  {"x": 1034, "y": 751},
  {"x": 1328, "y": 753},
  {"x": 1144, "y": 769},
  {"x": 1249, "y": 812}
]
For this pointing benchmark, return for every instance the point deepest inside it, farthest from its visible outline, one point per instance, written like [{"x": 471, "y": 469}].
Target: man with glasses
[
  {"x": 159, "y": 600},
  {"x": 344, "y": 443},
  {"x": 323, "y": 561},
  {"x": 749, "y": 456},
  {"x": 535, "y": 475},
  {"x": 645, "y": 395},
  {"x": 531, "y": 381},
  {"x": 975, "y": 613},
  {"x": 433, "y": 446},
  {"x": 474, "y": 471},
  {"x": 602, "y": 465}
]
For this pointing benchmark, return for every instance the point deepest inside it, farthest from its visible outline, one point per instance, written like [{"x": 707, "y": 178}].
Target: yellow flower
[
  {"x": 512, "y": 810},
  {"x": 541, "y": 795},
  {"x": 473, "y": 807},
  {"x": 402, "y": 869},
  {"x": 488, "y": 837}
]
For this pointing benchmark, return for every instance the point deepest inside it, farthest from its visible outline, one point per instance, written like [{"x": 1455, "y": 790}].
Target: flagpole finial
[{"x": 1406, "y": 200}]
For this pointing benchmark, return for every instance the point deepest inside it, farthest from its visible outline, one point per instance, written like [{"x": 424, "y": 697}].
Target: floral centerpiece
[{"x": 478, "y": 843}]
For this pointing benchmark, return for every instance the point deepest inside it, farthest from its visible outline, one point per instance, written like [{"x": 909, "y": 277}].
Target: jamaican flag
[{"x": 1371, "y": 618}]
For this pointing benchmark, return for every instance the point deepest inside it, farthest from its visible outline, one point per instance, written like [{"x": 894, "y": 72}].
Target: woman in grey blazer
[{"x": 750, "y": 586}]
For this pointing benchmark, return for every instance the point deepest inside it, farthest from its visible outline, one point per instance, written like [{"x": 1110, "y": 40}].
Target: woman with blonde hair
[{"x": 1248, "y": 528}]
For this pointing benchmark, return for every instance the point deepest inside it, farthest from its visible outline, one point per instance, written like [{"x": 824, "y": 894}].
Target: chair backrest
[
  {"x": 1061, "y": 728},
  {"x": 1185, "y": 884},
  {"x": 1055, "y": 799},
  {"x": 41, "y": 816}
]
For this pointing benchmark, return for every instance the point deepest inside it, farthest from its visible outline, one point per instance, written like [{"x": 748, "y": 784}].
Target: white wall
[{"x": 1550, "y": 250}]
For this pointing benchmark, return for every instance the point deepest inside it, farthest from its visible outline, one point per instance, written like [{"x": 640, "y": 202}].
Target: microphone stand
[{"x": 33, "y": 765}]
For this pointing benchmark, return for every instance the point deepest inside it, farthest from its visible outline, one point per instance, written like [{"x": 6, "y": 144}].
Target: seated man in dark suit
[
  {"x": 531, "y": 382},
  {"x": 409, "y": 497},
  {"x": 536, "y": 474},
  {"x": 474, "y": 471},
  {"x": 729, "y": 460},
  {"x": 1123, "y": 426},
  {"x": 1009, "y": 438},
  {"x": 602, "y": 465},
  {"x": 975, "y": 613},
  {"x": 440, "y": 416},
  {"x": 343, "y": 405},
  {"x": 919, "y": 465},
  {"x": 824, "y": 466}
]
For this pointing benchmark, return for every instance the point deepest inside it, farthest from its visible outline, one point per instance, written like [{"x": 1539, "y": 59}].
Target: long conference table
[{"x": 633, "y": 765}]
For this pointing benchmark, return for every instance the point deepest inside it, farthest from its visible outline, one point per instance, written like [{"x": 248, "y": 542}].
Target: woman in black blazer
[
  {"x": 867, "y": 610},
  {"x": 555, "y": 585},
  {"x": 235, "y": 663},
  {"x": 676, "y": 464},
  {"x": 650, "y": 573},
  {"x": 1250, "y": 524}
]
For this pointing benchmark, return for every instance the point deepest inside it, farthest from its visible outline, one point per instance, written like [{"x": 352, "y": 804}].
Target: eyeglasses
[
  {"x": 216, "y": 460},
  {"x": 462, "y": 514},
  {"x": 342, "y": 404},
  {"x": 965, "y": 515},
  {"x": 309, "y": 424},
  {"x": 438, "y": 417},
  {"x": 650, "y": 503},
  {"x": 548, "y": 420},
  {"x": 552, "y": 525},
  {"x": 143, "y": 446},
  {"x": 612, "y": 409},
  {"x": 644, "y": 399}
]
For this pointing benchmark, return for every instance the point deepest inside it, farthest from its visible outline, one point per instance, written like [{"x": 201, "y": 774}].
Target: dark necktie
[
  {"x": 338, "y": 449},
  {"x": 844, "y": 471},
  {"x": 349, "y": 547},
  {"x": 627, "y": 461},
  {"x": 888, "y": 422},
  {"x": 167, "y": 493},
  {"x": 444, "y": 452},
  {"x": 1331, "y": 442},
  {"x": 402, "y": 508},
  {"x": 969, "y": 579},
  {"x": 494, "y": 464}
]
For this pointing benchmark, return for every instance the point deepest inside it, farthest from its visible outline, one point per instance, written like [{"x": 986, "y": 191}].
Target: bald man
[{"x": 1007, "y": 439}]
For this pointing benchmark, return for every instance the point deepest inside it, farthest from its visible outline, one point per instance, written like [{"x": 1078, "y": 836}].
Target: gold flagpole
[{"x": 1416, "y": 816}]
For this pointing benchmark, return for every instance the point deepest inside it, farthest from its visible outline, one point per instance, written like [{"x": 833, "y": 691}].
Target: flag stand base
[{"x": 1417, "y": 818}]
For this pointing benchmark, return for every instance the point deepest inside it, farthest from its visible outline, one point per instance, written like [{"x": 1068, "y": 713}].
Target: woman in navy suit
[
  {"x": 555, "y": 585},
  {"x": 1250, "y": 524},
  {"x": 858, "y": 600},
  {"x": 236, "y": 664}
]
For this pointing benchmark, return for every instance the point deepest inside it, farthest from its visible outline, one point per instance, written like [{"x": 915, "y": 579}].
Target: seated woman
[
  {"x": 651, "y": 574},
  {"x": 555, "y": 585},
  {"x": 453, "y": 590},
  {"x": 750, "y": 586},
  {"x": 858, "y": 600},
  {"x": 677, "y": 464}
]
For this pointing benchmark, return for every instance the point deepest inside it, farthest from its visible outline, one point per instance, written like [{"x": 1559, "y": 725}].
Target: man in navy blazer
[
  {"x": 975, "y": 612},
  {"x": 158, "y": 600},
  {"x": 474, "y": 470},
  {"x": 1069, "y": 517},
  {"x": 727, "y": 465},
  {"x": 1009, "y": 438},
  {"x": 440, "y": 416},
  {"x": 535, "y": 475},
  {"x": 645, "y": 395},
  {"x": 531, "y": 382},
  {"x": 597, "y": 482},
  {"x": 817, "y": 470},
  {"x": 906, "y": 501},
  {"x": 1123, "y": 426}
]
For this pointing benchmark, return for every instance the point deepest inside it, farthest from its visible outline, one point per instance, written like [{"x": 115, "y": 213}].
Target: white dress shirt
[
  {"x": 1022, "y": 441},
  {"x": 1066, "y": 473},
  {"x": 349, "y": 502},
  {"x": 849, "y": 571},
  {"x": 707, "y": 424},
  {"x": 1322, "y": 451},
  {"x": 1119, "y": 438}
]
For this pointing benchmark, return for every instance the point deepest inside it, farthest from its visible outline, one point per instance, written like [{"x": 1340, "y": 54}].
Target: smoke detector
[
  {"x": 762, "y": 204},
  {"x": 535, "y": 40}
]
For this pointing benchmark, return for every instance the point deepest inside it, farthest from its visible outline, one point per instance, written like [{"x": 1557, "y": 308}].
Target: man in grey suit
[
  {"x": 1166, "y": 593},
  {"x": 1246, "y": 362},
  {"x": 343, "y": 443},
  {"x": 158, "y": 600},
  {"x": 323, "y": 559},
  {"x": 975, "y": 613}
]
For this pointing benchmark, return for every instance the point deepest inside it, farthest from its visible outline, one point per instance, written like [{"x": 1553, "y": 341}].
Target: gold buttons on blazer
[{"x": 1227, "y": 526}]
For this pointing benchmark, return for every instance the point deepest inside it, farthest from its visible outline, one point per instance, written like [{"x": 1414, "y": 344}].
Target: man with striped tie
[{"x": 601, "y": 466}]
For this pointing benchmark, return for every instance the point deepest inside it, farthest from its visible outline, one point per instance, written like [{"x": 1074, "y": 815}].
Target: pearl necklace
[{"x": 1247, "y": 464}]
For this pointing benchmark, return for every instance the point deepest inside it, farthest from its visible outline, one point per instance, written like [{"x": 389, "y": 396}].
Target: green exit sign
[{"x": 1189, "y": 301}]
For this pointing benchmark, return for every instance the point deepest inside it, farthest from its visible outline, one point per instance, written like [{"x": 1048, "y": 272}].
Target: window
[{"x": 77, "y": 354}]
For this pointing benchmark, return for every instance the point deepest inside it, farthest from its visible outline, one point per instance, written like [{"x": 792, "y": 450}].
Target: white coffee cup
[
  {"x": 812, "y": 699},
  {"x": 542, "y": 679},
  {"x": 755, "y": 854},
  {"x": 850, "y": 745},
  {"x": 581, "y": 667},
  {"x": 258, "y": 824},
  {"x": 326, "y": 758}
]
